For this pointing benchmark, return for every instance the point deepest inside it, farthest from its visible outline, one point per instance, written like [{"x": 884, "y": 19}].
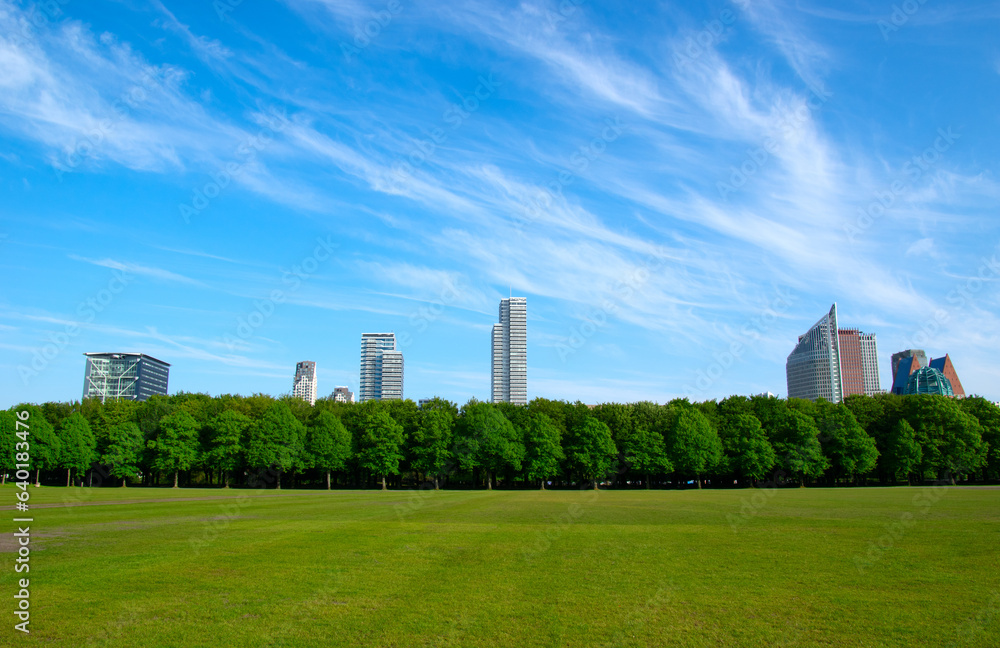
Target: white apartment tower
[
  {"x": 381, "y": 368},
  {"x": 869, "y": 363},
  {"x": 510, "y": 352},
  {"x": 305, "y": 381}
]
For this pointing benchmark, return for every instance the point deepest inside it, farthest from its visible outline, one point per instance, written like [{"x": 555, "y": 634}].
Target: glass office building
[{"x": 128, "y": 376}]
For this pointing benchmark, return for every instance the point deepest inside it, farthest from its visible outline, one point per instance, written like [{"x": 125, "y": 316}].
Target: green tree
[
  {"x": 431, "y": 447},
  {"x": 845, "y": 443},
  {"x": 276, "y": 440},
  {"x": 8, "y": 439},
  {"x": 492, "y": 440},
  {"x": 543, "y": 450},
  {"x": 380, "y": 445},
  {"x": 124, "y": 443},
  {"x": 43, "y": 439},
  {"x": 645, "y": 453},
  {"x": 952, "y": 440},
  {"x": 796, "y": 443},
  {"x": 747, "y": 451},
  {"x": 175, "y": 448},
  {"x": 590, "y": 450},
  {"x": 226, "y": 432},
  {"x": 693, "y": 445},
  {"x": 903, "y": 453},
  {"x": 988, "y": 416},
  {"x": 77, "y": 446},
  {"x": 328, "y": 443}
]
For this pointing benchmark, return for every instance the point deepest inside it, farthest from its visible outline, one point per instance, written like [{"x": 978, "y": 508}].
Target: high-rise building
[
  {"x": 381, "y": 368},
  {"x": 899, "y": 357},
  {"x": 833, "y": 363},
  {"x": 128, "y": 376},
  {"x": 813, "y": 367},
  {"x": 510, "y": 352},
  {"x": 305, "y": 381},
  {"x": 858, "y": 362},
  {"x": 342, "y": 395},
  {"x": 947, "y": 369}
]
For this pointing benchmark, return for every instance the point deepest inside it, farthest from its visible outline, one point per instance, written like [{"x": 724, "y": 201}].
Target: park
[{"x": 714, "y": 567}]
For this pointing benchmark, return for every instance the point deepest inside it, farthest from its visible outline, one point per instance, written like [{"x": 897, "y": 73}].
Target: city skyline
[{"x": 681, "y": 186}]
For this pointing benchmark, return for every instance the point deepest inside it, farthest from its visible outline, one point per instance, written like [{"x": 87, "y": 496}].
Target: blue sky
[{"x": 679, "y": 189}]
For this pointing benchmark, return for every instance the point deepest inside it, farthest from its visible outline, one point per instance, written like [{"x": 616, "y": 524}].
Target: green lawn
[{"x": 503, "y": 568}]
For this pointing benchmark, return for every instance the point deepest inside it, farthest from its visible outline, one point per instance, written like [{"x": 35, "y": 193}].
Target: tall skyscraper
[
  {"x": 833, "y": 363},
  {"x": 128, "y": 376},
  {"x": 305, "y": 381},
  {"x": 858, "y": 362},
  {"x": 381, "y": 368},
  {"x": 813, "y": 366},
  {"x": 510, "y": 352}
]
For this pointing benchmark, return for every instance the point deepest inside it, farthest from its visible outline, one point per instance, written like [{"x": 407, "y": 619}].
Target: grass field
[{"x": 800, "y": 567}]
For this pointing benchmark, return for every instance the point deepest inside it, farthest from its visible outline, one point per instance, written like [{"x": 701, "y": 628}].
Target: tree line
[{"x": 198, "y": 440}]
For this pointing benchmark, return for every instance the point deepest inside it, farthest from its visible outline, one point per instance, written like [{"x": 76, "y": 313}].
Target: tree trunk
[
  {"x": 952, "y": 479},
  {"x": 489, "y": 481},
  {"x": 327, "y": 480},
  {"x": 541, "y": 484},
  {"x": 225, "y": 476},
  {"x": 595, "y": 484},
  {"x": 908, "y": 482},
  {"x": 123, "y": 482},
  {"x": 698, "y": 479},
  {"x": 383, "y": 483},
  {"x": 176, "y": 472},
  {"x": 38, "y": 471},
  {"x": 436, "y": 485},
  {"x": 4, "y": 481},
  {"x": 647, "y": 481},
  {"x": 90, "y": 478},
  {"x": 278, "y": 486},
  {"x": 67, "y": 477}
]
